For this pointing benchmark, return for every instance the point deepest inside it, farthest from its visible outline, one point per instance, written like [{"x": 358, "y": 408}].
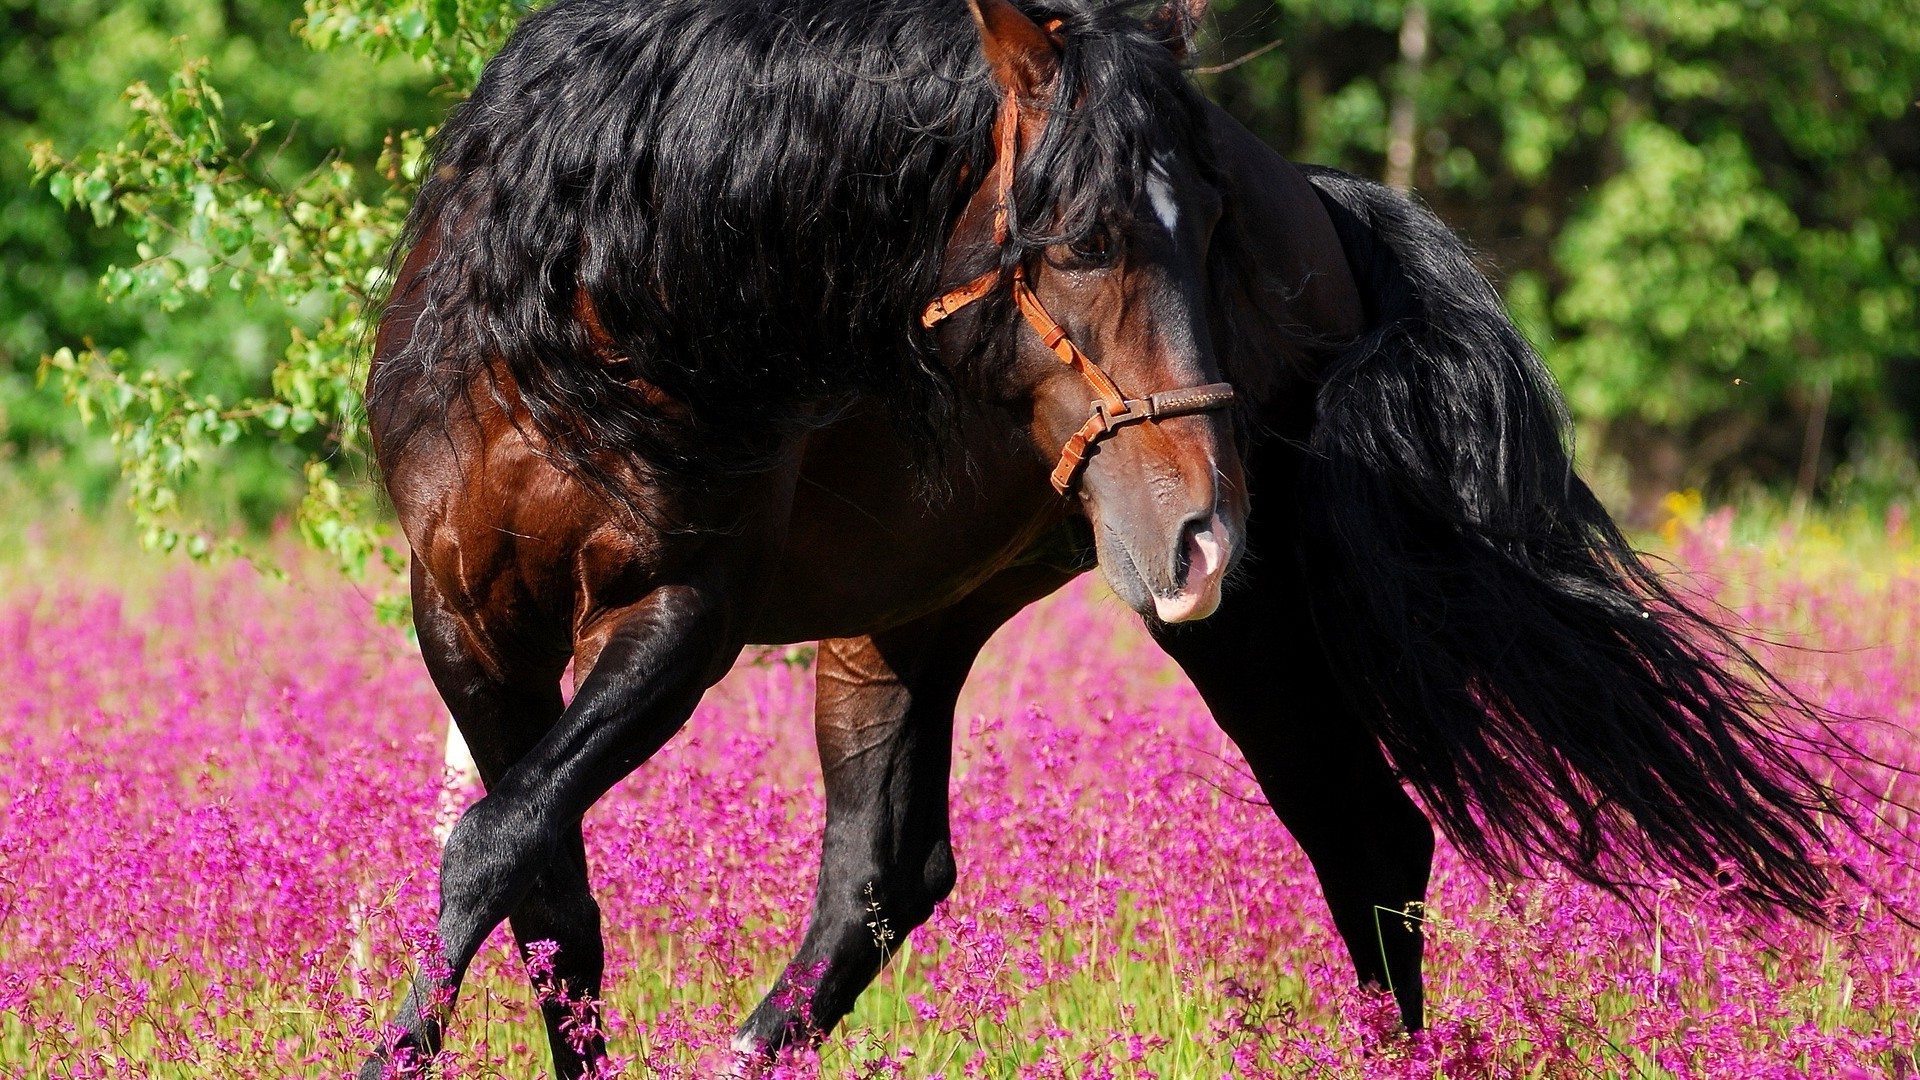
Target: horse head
[{"x": 1098, "y": 214}]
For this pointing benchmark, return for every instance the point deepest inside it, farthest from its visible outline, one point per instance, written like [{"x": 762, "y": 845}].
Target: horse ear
[
  {"x": 1020, "y": 54},
  {"x": 1175, "y": 24}
]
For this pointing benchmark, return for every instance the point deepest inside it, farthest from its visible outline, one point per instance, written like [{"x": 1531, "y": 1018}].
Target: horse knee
[
  {"x": 497, "y": 830},
  {"x": 489, "y": 863}
]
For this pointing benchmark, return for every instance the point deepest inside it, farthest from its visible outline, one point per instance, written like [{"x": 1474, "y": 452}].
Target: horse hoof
[{"x": 750, "y": 1059}]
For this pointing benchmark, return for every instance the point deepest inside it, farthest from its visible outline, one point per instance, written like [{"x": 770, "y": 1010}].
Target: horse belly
[{"x": 866, "y": 551}]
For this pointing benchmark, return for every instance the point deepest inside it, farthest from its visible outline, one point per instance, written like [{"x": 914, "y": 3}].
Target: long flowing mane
[{"x": 684, "y": 229}]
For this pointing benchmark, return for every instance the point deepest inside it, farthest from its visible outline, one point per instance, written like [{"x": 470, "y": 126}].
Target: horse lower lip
[{"x": 1187, "y": 606}]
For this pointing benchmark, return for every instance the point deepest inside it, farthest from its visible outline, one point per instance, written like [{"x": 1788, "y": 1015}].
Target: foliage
[
  {"x": 220, "y": 213},
  {"x": 64, "y": 65},
  {"x": 1709, "y": 211},
  {"x": 206, "y": 214}
]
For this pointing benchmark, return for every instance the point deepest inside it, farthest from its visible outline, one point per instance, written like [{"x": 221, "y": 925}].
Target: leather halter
[{"x": 1113, "y": 409}]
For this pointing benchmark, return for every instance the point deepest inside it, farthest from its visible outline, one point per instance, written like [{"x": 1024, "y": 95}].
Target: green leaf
[{"x": 96, "y": 191}]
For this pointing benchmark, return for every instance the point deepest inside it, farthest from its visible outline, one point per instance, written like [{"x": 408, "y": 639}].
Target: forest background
[{"x": 1705, "y": 212}]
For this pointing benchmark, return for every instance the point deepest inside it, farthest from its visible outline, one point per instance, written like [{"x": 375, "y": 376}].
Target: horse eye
[{"x": 1095, "y": 248}]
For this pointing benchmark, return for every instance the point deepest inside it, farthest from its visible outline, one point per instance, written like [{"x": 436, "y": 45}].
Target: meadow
[{"x": 218, "y": 860}]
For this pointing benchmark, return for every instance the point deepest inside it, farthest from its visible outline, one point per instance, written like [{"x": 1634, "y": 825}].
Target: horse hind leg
[
  {"x": 1267, "y": 681},
  {"x": 884, "y": 723},
  {"x": 517, "y": 853},
  {"x": 560, "y": 908},
  {"x": 886, "y": 860}
]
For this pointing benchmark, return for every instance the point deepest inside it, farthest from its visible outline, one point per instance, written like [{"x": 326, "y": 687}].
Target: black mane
[{"x": 755, "y": 196}]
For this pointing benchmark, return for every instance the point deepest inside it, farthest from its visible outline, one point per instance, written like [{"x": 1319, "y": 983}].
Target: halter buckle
[{"x": 1133, "y": 411}]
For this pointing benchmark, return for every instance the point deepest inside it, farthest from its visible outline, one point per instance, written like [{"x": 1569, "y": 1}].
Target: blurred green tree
[
  {"x": 1707, "y": 212},
  {"x": 65, "y": 66},
  {"x": 247, "y": 256}
]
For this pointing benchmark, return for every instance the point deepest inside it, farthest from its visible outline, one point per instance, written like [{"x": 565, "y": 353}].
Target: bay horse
[{"x": 721, "y": 322}]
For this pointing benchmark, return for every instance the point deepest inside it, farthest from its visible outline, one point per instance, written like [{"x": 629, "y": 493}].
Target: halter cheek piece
[{"x": 1113, "y": 410}]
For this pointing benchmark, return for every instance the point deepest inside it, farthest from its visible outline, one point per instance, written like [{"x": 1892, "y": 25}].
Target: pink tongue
[{"x": 1199, "y": 594}]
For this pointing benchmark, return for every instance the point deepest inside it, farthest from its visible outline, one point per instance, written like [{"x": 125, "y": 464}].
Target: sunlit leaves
[
  {"x": 200, "y": 196},
  {"x": 455, "y": 36},
  {"x": 213, "y": 211},
  {"x": 1688, "y": 272}
]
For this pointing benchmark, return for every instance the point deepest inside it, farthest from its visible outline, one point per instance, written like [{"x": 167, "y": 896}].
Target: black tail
[{"x": 1531, "y": 677}]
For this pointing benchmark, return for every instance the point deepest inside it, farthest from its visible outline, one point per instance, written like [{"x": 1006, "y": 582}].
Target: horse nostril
[
  {"x": 1199, "y": 553},
  {"x": 1198, "y": 563}
]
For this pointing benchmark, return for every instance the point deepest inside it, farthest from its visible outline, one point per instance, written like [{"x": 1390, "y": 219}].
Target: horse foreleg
[
  {"x": 1264, "y": 676},
  {"x": 884, "y": 723},
  {"x": 517, "y": 851}
]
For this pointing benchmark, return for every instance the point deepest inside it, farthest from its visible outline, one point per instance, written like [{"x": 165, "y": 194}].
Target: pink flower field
[{"x": 219, "y": 859}]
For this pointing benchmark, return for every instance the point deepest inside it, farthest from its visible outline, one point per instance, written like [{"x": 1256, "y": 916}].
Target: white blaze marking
[{"x": 1160, "y": 193}]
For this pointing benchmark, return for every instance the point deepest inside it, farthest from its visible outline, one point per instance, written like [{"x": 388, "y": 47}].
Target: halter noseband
[{"x": 1113, "y": 410}]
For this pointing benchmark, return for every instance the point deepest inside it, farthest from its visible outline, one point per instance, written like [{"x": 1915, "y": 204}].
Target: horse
[{"x": 871, "y": 322}]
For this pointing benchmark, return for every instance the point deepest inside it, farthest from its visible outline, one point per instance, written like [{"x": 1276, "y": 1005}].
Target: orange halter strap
[{"x": 1113, "y": 409}]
